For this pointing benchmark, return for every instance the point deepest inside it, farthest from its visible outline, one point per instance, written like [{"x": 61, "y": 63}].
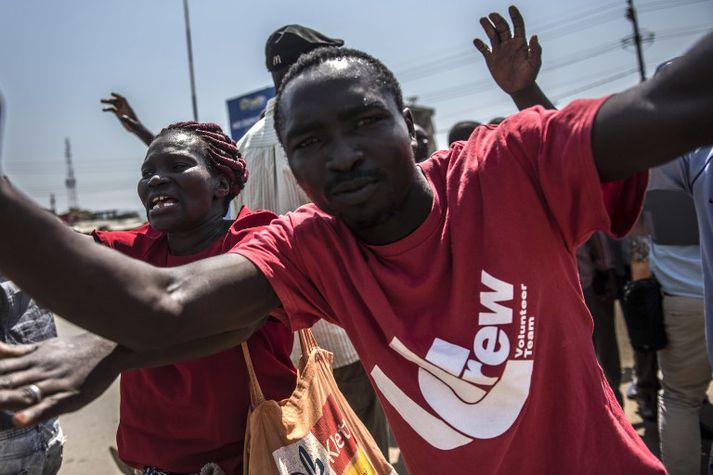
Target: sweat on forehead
[{"x": 334, "y": 63}]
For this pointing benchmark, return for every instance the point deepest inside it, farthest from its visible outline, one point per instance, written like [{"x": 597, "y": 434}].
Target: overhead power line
[
  {"x": 606, "y": 78},
  {"x": 666, "y": 4},
  {"x": 415, "y": 72},
  {"x": 556, "y": 28},
  {"x": 485, "y": 84},
  {"x": 470, "y": 88},
  {"x": 593, "y": 84}
]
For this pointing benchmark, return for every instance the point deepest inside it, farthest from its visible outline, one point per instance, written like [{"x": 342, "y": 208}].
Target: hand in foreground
[
  {"x": 513, "y": 63},
  {"x": 54, "y": 377},
  {"x": 121, "y": 108}
]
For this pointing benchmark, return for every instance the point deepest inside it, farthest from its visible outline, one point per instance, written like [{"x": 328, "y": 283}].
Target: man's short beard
[{"x": 373, "y": 221}]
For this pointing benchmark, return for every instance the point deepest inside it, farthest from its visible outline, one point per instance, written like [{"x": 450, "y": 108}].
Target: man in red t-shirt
[{"x": 456, "y": 279}]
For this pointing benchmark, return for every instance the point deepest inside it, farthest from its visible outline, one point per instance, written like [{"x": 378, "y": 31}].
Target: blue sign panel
[{"x": 244, "y": 111}]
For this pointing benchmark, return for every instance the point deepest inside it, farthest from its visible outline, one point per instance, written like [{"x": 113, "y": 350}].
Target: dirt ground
[{"x": 91, "y": 432}]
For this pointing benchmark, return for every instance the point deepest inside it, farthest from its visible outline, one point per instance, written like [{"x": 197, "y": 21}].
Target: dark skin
[
  {"x": 73, "y": 371},
  {"x": 421, "y": 151},
  {"x": 175, "y": 169},
  {"x": 513, "y": 61},
  {"x": 354, "y": 157},
  {"x": 145, "y": 308},
  {"x": 120, "y": 107}
]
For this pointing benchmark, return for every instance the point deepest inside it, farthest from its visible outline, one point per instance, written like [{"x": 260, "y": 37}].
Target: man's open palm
[{"x": 512, "y": 61}]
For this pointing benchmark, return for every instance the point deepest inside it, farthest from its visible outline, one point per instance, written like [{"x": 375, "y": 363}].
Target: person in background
[
  {"x": 462, "y": 130},
  {"x": 31, "y": 450},
  {"x": 120, "y": 107},
  {"x": 420, "y": 151},
  {"x": 177, "y": 415},
  {"x": 596, "y": 261},
  {"x": 273, "y": 187},
  {"x": 675, "y": 262},
  {"x": 645, "y": 386}
]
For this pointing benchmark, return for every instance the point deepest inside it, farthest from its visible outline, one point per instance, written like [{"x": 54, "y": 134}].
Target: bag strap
[
  {"x": 307, "y": 342},
  {"x": 256, "y": 396}
]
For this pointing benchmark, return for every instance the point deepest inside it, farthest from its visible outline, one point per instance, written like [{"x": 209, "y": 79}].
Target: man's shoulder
[
  {"x": 307, "y": 224},
  {"x": 308, "y": 218}
]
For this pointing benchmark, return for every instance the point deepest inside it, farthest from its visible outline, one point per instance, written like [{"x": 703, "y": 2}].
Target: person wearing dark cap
[
  {"x": 462, "y": 130},
  {"x": 288, "y": 43},
  {"x": 273, "y": 187}
]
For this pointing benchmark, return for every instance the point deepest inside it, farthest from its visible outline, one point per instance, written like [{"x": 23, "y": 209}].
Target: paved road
[{"x": 91, "y": 431}]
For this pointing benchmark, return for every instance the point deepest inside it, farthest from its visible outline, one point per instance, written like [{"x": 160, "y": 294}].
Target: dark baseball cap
[{"x": 288, "y": 43}]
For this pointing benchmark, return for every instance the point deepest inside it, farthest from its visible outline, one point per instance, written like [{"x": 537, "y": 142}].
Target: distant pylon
[
  {"x": 70, "y": 182},
  {"x": 631, "y": 16}
]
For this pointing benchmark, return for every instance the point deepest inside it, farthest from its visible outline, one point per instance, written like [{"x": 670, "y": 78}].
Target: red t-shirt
[
  {"x": 182, "y": 416},
  {"x": 473, "y": 328}
]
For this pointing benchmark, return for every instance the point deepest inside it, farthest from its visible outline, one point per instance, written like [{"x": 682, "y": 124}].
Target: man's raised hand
[{"x": 512, "y": 61}]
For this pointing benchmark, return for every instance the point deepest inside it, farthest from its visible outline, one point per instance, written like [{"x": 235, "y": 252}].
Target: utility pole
[
  {"x": 190, "y": 59},
  {"x": 631, "y": 16},
  {"x": 70, "y": 182}
]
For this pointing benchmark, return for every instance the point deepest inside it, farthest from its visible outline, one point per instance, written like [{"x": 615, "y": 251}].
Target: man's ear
[
  {"x": 408, "y": 117},
  {"x": 222, "y": 187}
]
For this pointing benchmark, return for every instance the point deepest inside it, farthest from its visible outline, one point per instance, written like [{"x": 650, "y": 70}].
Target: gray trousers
[{"x": 686, "y": 374}]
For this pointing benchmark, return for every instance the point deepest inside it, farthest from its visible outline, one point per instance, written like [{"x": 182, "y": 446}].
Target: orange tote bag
[{"x": 314, "y": 431}]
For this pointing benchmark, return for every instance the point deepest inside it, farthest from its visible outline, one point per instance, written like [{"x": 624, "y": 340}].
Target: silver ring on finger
[{"x": 34, "y": 392}]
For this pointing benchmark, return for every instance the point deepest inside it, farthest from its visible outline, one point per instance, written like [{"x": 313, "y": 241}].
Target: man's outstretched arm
[
  {"x": 71, "y": 372},
  {"x": 659, "y": 119},
  {"x": 133, "y": 303}
]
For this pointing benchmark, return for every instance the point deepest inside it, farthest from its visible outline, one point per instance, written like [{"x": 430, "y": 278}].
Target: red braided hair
[{"x": 222, "y": 154}]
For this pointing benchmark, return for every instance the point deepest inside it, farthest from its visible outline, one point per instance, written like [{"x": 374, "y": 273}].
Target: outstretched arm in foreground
[
  {"x": 512, "y": 61},
  {"x": 658, "y": 120},
  {"x": 126, "y": 115},
  {"x": 73, "y": 371},
  {"x": 133, "y": 303}
]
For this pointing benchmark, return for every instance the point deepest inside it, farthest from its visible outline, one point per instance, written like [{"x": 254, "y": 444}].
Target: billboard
[{"x": 244, "y": 111}]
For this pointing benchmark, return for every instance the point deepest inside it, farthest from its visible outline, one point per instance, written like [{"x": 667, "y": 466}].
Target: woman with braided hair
[{"x": 174, "y": 418}]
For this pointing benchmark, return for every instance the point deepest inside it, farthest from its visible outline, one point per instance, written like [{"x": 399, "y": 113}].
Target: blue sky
[{"x": 60, "y": 57}]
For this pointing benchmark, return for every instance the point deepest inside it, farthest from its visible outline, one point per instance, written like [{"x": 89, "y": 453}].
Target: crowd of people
[{"x": 457, "y": 292}]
